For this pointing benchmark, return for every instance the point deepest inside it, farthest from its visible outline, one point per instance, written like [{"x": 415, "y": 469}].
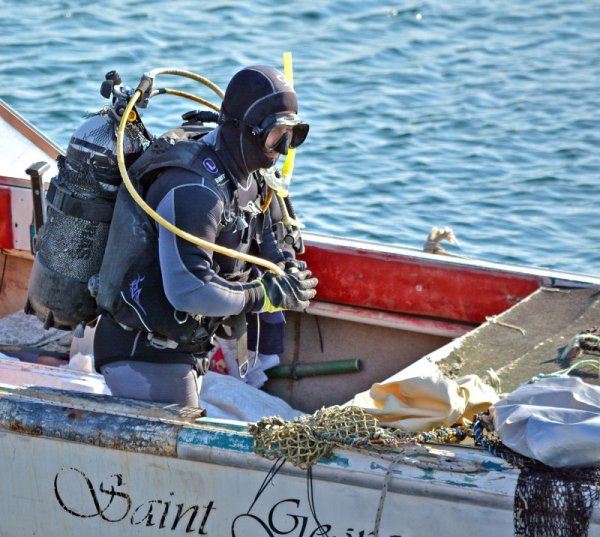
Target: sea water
[{"x": 481, "y": 116}]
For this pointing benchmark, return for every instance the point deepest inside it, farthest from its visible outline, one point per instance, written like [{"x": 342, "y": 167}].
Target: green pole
[{"x": 300, "y": 370}]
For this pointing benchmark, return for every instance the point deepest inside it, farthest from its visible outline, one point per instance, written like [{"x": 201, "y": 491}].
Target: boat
[{"x": 76, "y": 460}]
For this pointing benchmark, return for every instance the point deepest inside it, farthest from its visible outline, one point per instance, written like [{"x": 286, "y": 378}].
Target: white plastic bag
[{"x": 555, "y": 421}]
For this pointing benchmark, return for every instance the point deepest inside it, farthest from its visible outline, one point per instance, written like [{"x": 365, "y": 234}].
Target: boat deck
[{"x": 529, "y": 338}]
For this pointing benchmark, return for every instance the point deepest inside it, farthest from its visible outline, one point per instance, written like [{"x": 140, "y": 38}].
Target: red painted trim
[
  {"x": 413, "y": 285},
  {"x": 6, "y": 235}
]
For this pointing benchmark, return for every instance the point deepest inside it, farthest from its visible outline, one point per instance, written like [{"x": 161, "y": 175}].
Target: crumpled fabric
[
  {"x": 225, "y": 397},
  {"x": 555, "y": 421},
  {"x": 424, "y": 402}
]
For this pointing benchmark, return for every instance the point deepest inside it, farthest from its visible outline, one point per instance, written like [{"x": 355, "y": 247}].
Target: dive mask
[{"x": 292, "y": 131}]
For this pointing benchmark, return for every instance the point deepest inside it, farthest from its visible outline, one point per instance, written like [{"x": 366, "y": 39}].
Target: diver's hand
[{"x": 290, "y": 291}]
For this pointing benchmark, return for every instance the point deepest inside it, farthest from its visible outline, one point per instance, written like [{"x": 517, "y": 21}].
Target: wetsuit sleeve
[{"x": 189, "y": 278}]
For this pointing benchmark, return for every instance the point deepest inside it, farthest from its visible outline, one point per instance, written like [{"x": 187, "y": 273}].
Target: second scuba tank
[{"x": 80, "y": 202}]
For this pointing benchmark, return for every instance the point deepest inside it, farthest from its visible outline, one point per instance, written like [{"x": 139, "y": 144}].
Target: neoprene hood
[{"x": 252, "y": 95}]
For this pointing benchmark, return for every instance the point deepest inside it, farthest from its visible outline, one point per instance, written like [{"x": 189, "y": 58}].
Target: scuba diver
[{"x": 163, "y": 298}]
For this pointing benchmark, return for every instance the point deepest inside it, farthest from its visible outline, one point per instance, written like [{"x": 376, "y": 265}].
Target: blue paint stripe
[
  {"x": 235, "y": 438},
  {"x": 227, "y": 440}
]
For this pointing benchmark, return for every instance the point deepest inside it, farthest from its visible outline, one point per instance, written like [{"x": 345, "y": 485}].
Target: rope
[
  {"x": 493, "y": 319},
  {"x": 485, "y": 437},
  {"x": 567, "y": 371},
  {"x": 587, "y": 342},
  {"x": 384, "y": 489},
  {"x": 311, "y": 503},
  {"x": 266, "y": 481}
]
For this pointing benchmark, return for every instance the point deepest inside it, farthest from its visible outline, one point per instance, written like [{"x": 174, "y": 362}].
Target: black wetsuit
[{"x": 195, "y": 280}]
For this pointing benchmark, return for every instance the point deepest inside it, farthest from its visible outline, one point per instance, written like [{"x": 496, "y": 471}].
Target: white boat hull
[
  {"x": 88, "y": 464},
  {"x": 92, "y": 491}
]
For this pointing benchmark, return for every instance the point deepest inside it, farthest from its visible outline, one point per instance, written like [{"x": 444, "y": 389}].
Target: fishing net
[
  {"x": 552, "y": 503},
  {"x": 306, "y": 439},
  {"x": 549, "y": 502}
]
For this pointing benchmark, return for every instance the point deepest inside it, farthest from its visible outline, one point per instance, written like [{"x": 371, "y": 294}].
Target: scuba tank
[{"x": 79, "y": 205}]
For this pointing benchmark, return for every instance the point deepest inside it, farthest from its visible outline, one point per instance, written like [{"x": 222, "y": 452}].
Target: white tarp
[
  {"x": 224, "y": 396},
  {"x": 555, "y": 421}
]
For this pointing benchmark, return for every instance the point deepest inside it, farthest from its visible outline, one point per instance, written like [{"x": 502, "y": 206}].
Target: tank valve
[{"x": 111, "y": 79}]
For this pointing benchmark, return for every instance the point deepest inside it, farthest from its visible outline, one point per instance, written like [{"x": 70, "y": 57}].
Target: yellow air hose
[
  {"x": 146, "y": 208},
  {"x": 189, "y": 96}
]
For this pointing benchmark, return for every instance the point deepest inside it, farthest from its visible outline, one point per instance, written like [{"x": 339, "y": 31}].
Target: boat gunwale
[
  {"x": 29, "y": 131},
  {"x": 389, "y": 252}
]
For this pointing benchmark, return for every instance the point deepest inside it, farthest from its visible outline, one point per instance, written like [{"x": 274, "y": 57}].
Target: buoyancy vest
[{"x": 131, "y": 264}]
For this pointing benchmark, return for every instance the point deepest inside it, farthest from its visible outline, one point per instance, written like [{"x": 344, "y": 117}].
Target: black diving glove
[{"x": 291, "y": 291}]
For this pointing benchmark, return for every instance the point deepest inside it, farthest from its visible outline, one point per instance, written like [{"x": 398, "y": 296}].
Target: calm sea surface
[{"x": 481, "y": 116}]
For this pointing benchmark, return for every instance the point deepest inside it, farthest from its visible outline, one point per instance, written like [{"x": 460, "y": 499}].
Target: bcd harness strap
[
  {"x": 202, "y": 338},
  {"x": 239, "y": 332},
  {"x": 62, "y": 200}
]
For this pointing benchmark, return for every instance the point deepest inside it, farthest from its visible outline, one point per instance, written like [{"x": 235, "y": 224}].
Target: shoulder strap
[{"x": 194, "y": 156}]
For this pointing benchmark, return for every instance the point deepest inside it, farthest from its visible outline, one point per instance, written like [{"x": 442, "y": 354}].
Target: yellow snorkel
[{"x": 288, "y": 163}]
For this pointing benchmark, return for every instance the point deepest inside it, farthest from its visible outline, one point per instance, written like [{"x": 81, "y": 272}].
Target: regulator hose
[
  {"x": 144, "y": 88},
  {"x": 186, "y": 95}
]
